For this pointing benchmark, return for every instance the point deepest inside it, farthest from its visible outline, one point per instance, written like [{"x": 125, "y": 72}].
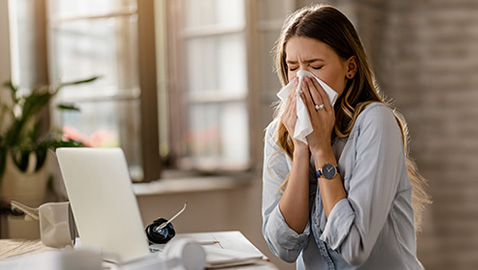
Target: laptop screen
[{"x": 103, "y": 203}]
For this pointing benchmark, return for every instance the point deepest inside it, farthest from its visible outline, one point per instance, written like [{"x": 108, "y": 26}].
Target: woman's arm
[
  {"x": 355, "y": 220},
  {"x": 331, "y": 190},
  {"x": 355, "y": 223},
  {"x": 283, "y": 241},
  {"x": 294, "y": 203},
  {"x": 323, "y": 121}
]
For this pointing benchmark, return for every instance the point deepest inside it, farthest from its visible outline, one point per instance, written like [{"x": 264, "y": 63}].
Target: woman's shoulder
[
  {"x": 271, "y": 129},
  {"x": 376, "y": 117},
  {"x": 376, "y": 112},
  {"x": 271, "y": 143}
]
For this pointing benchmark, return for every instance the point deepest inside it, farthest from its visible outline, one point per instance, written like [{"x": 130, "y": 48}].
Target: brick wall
[{"x": 425, "y": 56}]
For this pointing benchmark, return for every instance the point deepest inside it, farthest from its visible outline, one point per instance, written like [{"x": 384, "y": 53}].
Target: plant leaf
[
  {"x": 68, "y": 107},
  {"x": 63, "y": 84}
]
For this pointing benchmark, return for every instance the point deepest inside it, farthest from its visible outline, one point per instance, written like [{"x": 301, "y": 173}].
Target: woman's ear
[{"x": 351, "y": 66}]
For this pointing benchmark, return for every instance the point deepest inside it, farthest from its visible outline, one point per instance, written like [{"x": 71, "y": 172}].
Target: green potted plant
[{"x": 23, "y": 150}]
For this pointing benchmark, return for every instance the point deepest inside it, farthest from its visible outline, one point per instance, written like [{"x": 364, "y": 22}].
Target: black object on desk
[{"x": 158, "y": 235}]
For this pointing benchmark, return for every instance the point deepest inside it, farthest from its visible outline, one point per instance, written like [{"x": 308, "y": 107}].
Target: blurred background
[{"x": 187, "y": 88}]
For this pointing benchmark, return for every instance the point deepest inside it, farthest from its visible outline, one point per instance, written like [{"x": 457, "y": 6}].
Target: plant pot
[{"x": 28, "y": 188}]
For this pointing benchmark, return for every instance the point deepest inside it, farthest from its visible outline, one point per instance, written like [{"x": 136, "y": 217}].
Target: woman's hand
[
  {"x": 323, "y": 120},
  {"x": 289, "y": 117},
  {"x": 294, "y": 203}
]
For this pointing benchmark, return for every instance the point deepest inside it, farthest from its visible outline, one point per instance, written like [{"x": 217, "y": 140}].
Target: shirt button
[
  {"x": 323, "y": 250},
  {"x": 315, "y": 222}
]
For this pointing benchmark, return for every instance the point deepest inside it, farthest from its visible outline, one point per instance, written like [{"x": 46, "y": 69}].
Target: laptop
[{"x": 103, "y": 203}]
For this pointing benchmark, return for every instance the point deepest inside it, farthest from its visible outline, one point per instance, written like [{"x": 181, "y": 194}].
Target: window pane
[
  {"x": 234, "y": 131},
  {"x": 216, "y": 84},
  {"x": 108, "y": 124},
  {"x": 216, "y": 63},
  {"x": 105, "y": 47},
  {"x": 23, "y": 43},
  {"x": 85, "y": 47},
  {"x": 68, "y": 8},
  {"x": 219, "y": 131},
  {"x": 213, "y": 12}
]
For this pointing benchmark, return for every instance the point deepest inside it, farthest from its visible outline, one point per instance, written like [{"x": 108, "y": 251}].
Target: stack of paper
[
  {"x": 225, "y": 249},
  {"x": 218, "y": 257}
]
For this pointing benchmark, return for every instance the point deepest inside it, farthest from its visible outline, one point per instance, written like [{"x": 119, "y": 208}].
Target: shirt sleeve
[
  {"x": 355, "y": 223},
  {"x": 281, "y": 239}
]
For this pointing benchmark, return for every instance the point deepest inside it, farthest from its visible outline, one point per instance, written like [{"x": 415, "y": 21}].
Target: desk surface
[
  {"x": 14, "y": 247},
  {"x": 230, "y": 240}
]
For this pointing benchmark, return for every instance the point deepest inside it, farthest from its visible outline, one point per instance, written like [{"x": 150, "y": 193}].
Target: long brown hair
[{"x": 329, "y": 25}]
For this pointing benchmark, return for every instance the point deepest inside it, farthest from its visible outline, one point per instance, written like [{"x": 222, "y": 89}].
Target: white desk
[{"x": 229, "y": 240}]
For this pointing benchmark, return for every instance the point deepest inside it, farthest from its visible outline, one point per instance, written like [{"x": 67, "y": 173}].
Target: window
[
  {"x": 209, "y": 78},
  {"x": 201, "y": 71},
  {"x": 272, "y": 14},
  {"x": 89, "y": 38},
  {"x": 221, "y": 81}
]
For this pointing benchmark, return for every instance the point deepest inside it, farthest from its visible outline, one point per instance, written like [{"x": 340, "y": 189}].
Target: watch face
[{"x": 329, "y": 171}]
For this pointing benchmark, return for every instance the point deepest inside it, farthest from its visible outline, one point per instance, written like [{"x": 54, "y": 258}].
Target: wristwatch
[{"x": 328, "y": 171}]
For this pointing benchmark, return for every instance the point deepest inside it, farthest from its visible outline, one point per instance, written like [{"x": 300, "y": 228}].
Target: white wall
[
  {"x": 4, "y": 68},
  {"x": 4, "y": 48}
]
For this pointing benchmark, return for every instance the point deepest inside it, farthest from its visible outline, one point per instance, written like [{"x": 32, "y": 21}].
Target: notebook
[{"x": 103, "y": 203}]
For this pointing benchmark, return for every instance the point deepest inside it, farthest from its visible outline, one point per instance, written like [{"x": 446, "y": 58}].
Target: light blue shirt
[{"x": 373, "y": 227}]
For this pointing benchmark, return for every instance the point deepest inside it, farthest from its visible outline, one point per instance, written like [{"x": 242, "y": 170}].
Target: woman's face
[{"x": 303, "y": 53}]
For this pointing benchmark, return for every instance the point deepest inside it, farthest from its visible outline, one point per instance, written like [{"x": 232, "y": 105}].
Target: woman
[{"x": 343, "y": 200}]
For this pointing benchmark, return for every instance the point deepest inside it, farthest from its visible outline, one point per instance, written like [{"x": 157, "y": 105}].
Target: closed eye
[{"x": 317, "y": 68}]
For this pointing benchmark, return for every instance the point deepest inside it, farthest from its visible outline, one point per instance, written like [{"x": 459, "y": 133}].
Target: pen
[
  {"x": 158, "y": 229},
  {"x": 208, "y": 242}
]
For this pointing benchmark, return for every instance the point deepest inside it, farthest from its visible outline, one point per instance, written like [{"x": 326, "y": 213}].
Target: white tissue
[{"x": 303, "y": 126}]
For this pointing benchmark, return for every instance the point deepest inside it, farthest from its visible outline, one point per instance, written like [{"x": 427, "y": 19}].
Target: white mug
[{"x": 57, "y": 228}]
